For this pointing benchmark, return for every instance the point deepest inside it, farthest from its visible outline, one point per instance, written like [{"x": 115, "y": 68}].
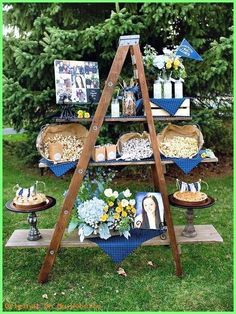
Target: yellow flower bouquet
[
  {"x": 163, "y": 66},
  {"x": 109, "y": 210}
]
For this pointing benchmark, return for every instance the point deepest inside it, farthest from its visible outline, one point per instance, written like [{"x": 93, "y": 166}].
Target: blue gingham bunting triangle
[
  {"x": 186, "y": 164},
  {"x": 170, "y": 105},
  {"x": 118, "y": 247},
  {"x": 59, "y": 169}
]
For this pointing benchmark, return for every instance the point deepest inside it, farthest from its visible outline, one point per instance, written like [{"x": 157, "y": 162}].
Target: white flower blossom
[
  {"x": 127, "y": 193},
  {"x": 132, "y": 202},
  {"x": 166, "y": 51},
  {"x": 159, "y": 62},
  {"x": 124, "y": 203},
  {"x": 91, "y": 211},
  {"x": 115, "y": 194},
  {"x": 108, "y": 192}
]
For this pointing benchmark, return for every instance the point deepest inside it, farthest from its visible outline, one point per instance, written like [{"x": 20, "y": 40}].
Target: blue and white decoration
[
  {"x": 185, "y": 50},
  {"x": 185, "y": 187}
]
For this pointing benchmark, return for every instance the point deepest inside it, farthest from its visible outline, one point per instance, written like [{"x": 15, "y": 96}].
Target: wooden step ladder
[{"x": 126, "y": 44}]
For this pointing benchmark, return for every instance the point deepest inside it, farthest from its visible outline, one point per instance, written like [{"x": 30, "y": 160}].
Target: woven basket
[
  {"x": 128, "y": 136},
  {"x": 172, "y": 130},
  {"x": 50, "y": 130}
]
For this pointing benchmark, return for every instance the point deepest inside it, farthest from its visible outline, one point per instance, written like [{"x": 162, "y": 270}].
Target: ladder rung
[{"x": 129, "y": 40}]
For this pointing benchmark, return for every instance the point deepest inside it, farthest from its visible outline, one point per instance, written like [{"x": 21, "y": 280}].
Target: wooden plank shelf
[
  {"x": 109, "y": 163},
  {"x": 126, "y": 119},
  {"x": 205, "y": 234},
  {"x": 140, "y": 162}
]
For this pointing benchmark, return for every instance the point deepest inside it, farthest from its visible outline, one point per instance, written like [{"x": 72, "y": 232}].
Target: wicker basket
[
  {"x": 50, "y": 130},
  {"x": 191, "y": 131},
  {"x": 128, "y": 136}
]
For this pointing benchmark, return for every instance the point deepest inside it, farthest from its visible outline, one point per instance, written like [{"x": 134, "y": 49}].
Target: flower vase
[
  {"x": 157, "y": 89},
  {"x": 167, "y": 89},
  {"x": 178, "y": 89}
]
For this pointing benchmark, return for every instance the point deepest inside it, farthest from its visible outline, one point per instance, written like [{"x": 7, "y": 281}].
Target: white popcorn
[
  {"x": 179, "y": 147},
  {"x": 71, "y": 144},
  {"x": 136, "y": 149}
]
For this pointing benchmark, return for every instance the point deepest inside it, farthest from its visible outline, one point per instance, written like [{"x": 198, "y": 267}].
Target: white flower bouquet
[
  {"x": 163, "y": 66},
  {"x": 100, "y": 215}
]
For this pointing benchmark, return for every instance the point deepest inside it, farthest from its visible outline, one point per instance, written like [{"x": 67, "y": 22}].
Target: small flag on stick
[{"x": 185, "y": 50}]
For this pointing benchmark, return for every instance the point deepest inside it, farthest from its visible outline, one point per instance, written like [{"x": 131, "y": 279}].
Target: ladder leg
[
  {"x": 135, "y": 49},
  {"x": 83, "y": 163},
  {"x": 155, "y": 178}
]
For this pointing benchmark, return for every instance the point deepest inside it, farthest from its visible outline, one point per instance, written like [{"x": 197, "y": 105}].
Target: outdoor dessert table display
[{"x": 54, "y": 238}]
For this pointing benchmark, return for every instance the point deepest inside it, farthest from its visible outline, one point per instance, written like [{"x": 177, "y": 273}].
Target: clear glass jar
[
  {"x": 157, "y": 89},
  {"x": 115, "y": 108},
  {"x": 167, "y": 89},
  {"x": 178, "y": 89}
]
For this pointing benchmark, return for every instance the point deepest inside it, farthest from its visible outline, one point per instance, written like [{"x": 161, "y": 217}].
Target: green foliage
[
  {"x": 216, "y": 125},
  {"x": 86, "y": 277},
  {"x": 94, "y": 184},
  {"x": 75, "y": 31}
]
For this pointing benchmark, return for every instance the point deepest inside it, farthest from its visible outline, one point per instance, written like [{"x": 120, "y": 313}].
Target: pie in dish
[
  {"x": 190, "y": 196},
  {"x": 23, "y": 202}
]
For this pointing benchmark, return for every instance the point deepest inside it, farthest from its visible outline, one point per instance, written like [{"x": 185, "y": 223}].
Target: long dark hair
[
  {"x": 145, "y": 222},
  {"x": 81, "y": 81}
]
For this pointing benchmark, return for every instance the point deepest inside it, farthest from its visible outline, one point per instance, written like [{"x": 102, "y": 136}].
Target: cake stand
[
  {"x": 189, "y": 229},
  {"x": 34, "y": 233}
]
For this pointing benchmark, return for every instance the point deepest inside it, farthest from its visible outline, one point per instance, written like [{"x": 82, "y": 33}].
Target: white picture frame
[{"x": 150, "y": 211}]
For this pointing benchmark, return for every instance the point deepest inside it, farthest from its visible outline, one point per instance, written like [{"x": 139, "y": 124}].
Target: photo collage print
[{"x": 76, "y": 81}]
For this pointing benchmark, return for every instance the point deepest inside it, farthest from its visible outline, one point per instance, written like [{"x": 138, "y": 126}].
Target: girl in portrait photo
[{"x": 149, "y": 217}]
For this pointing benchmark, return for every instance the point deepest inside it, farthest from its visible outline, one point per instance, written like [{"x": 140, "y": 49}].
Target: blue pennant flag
[{"x": 185, "y": 50}]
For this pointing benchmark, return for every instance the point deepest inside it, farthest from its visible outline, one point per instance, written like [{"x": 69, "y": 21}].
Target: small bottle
[
  {"x": 178, "y": 89},
  {"x": 115, "y": 108},
  {"x": 167, "y": 88},
  {"x": 157, "y": 89}
]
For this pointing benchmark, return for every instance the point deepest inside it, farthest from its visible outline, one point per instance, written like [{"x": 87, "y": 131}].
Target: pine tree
[{"x": 83, "y": 31}]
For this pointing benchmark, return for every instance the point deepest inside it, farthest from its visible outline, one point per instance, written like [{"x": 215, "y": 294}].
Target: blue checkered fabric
[
  {"x": 59, "y": 169},
  {"x": 118, "y": 247},
  {"x": 186, "y": 164},
  {"x": 170, "y": 105}
]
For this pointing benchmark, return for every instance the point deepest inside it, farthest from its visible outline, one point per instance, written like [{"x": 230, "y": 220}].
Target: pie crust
[
  {"x": 190, "y": 196},
  {"x": 37, "y": 200}
]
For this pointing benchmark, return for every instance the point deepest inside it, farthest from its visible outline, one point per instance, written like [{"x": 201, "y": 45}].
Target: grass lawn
[{"x": 86, "y": 279}]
